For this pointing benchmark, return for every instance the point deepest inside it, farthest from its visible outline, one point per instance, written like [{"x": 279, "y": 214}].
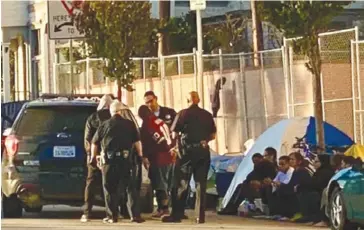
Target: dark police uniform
[
  {"x": 194, "y": 125},
  {"x": 130, "y": 199},
  {"x": 116, "y": 137},
  {"x": 94, "y": 175}
]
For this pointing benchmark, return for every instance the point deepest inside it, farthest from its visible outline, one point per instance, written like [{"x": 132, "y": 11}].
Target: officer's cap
[{"x": 116, "y": 106}]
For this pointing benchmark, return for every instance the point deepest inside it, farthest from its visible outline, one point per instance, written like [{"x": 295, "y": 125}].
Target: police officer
[
  {"x": 94, "y": 175},
  {"x": 116, "y": 136},
  {"x": 196, "y": 128},
  {"x": 130, "y": 200}
]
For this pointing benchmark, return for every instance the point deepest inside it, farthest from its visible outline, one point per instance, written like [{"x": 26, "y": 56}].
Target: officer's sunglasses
[{"x": 149, "y": 101}]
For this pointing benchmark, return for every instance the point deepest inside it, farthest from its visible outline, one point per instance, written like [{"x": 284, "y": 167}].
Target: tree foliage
[
  {"x": 305, "y": 19},
  {"x": 182, "y": 33},
  {"x": 116, "y": 31},
  {"x": 230, "y": 34}
]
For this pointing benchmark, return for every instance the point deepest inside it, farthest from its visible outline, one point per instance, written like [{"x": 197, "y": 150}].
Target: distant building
[
  {"x": 215, "y": 10},
  {"x": 15, "y": 49},
  {"x": 28, "y": 55}
]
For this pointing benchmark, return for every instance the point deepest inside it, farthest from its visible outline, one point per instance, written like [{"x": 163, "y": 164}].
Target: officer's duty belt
[
  {"x": 117, "y": 155},
  {"x": 195, "y": 145}
]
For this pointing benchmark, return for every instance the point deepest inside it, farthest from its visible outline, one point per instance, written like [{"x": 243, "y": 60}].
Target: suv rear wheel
[
  {"x": 12, "y": 207},
  {"x": 338, "y": 218}
]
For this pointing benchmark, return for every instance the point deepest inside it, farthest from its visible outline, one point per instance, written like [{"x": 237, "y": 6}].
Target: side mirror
[{"x": 7, "y": 132}]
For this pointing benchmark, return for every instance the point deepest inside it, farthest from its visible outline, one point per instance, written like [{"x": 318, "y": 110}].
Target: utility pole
[
  {"x": 199, "y": 5},
  {"x": 164, "y": 16},
  {"x": 257, "y": 32}
]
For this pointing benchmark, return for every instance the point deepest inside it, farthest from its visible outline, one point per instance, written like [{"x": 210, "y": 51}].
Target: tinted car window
[{"x": 37, "y": 121}]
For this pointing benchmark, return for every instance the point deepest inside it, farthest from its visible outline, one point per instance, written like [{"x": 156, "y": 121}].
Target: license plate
[{"x": 64, "y": 151}]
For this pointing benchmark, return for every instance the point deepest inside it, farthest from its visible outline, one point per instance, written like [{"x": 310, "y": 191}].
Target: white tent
[{"x": 280, "y": 136}]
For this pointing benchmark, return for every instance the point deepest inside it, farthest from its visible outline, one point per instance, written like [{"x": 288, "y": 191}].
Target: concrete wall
[
  {"x": 234, "y": 127},
  {"x": 265, "y": 99}
]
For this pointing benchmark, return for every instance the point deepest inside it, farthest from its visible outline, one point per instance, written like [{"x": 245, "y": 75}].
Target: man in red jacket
[{"x": 158, "y": 146}]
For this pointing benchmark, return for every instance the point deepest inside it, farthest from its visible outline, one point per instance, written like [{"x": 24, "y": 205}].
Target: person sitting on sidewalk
[
  {"x": 336, "y": 162},
  {"x": 253, "y": 187},
  {"x": 347, "y": 162},
  {"x": 253, "y": 184},
  {"x": 281, "y": 201},
  {"x": 265, "y": 169},
  {"x": 309, "y": 192}
]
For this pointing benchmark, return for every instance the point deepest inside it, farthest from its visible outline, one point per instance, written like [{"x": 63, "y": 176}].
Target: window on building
[{"x": 36, "y": 42}]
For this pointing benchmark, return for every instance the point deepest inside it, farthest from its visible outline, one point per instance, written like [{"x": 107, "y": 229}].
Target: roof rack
[{"x": 73, "y": 96}]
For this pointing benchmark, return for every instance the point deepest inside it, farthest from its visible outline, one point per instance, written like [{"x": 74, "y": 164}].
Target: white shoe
[
  {"x": 84, "y": 218},
  {"x": 108, "y": 220}
]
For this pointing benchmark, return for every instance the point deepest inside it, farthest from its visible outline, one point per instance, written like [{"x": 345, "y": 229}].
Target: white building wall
[
  {"x": 5, "y": 72},
  {"x": 21, "y": 73},
  {"x": 39, "y": 19},
  {"x": 14, "y": 13}
]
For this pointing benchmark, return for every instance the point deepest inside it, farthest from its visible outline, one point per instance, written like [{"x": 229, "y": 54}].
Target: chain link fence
[
  {"x": 336, "y": 78},
  {"x": 357, "y": 60},
  {"x": 249, "y": 99},
  {"x": 336, "y": 82},
  {"x": 245, "y": 99}
]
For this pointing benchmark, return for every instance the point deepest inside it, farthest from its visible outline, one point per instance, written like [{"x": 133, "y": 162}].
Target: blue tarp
[
  {"x": 220, "y": 164},
  {"x": 333, "y": 136}
]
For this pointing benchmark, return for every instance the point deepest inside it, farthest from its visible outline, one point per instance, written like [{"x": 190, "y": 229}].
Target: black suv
[{"x": 44, "y": 160}]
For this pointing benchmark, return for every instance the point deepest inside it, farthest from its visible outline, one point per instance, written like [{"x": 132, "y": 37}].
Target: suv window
[{"x": 37, "y": 121}]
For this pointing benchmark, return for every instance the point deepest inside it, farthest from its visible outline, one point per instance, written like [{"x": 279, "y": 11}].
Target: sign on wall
[
  {"x": 60, "y": 22},
  {"x": 197, "y": 4}
]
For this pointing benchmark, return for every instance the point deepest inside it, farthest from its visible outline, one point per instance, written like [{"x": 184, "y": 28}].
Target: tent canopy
[
  {"x": 282, "y": 136},
  {"x": 357, "y": 151}
]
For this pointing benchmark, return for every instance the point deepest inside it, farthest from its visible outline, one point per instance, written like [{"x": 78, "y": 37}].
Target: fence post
[
  {"x": 322, "y": 85},
  {"x": 243, "y": 87},
  {"x": 221, "y": 67},
  {"x": 357, "y": 51},
  {"x": 163, "y": 77},
  {"x": 352, "y": 51},
  {"x": 290, "y": 63},
  {"x": 87, "y": 75},
  {"x": 179, "y": 77},
  {"x": 144, "y": 75},
  {"x": 55, "y": 83},
  {"x": 262, "y": 82},
  {"x": 359, "y": 91},
  {"x": 194, "y": 67},
  {"x": 285, "y": 74}
]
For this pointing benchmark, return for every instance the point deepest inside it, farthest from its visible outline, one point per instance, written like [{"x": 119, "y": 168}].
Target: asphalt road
[{"x": 66, "y": 218}]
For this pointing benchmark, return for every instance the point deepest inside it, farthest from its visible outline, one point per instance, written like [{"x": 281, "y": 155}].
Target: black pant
[
  {"x": 130, "y": 198},
  {"x": 310, "y": 205},
  {"x": 115, "y": 177},
  {"x": 196, "y": 162},
  {"x": 282, "y": 204},
  {"x": 93, "y": 177}
]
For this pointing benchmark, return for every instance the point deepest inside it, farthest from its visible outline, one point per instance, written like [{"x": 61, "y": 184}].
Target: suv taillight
[{"x": 11, "y": 145}]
